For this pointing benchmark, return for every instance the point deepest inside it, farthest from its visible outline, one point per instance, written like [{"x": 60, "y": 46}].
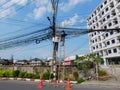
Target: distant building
[
  {"x": 6, "y": 62},
  {"x": 22, "y": 62},
  {"x": 49, "y": 61},
  {"x": 105, "y": 44},
  {"x": 70, "y": 60},
  {"x": 36, "y": 62}
]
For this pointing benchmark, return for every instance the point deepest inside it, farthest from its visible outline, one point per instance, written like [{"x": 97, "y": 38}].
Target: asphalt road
[{"x": 24, "y": 85}]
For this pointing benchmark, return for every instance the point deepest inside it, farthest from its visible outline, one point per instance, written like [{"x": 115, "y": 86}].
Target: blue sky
[{"x": 23, "y": 16}]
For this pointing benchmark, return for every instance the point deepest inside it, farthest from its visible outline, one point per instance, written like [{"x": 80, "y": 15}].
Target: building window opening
[
  {"x": 101, "y": 6},
  {"x": 106, "y": 9},
  {"x": 114, "y": 61},
  {"x": 92, "y": 35},
  {"x": 92, "y": 15},
  {"x": 104, "y": 20},
  {"x": 103, "y": 13},
  {"x": 109, "y": 51},
  {"x": 95, "y": 33},
  {"x": 95, "y": 40},
  {"x": 108, "y": 16},
  {"x": 113, "y": 41},
  {"x": 105, "y": 27},
  {"x": 115, "y": 21},
  {"x": 115, "y": 50},
  {"x": 105, "y": 2},
  {"x": 113, "y": 13},
  {"x": 97, "y": 46},
  {"x": 106, "y": 34},
  {"x": 108, "y": 43},
  {"x": 111, "y": 33},
  {"x": 110, "y": 24}
]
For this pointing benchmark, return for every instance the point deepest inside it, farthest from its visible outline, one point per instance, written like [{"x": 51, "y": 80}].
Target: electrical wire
[
  {"x": 32, "y": 48},
  {"x": 25, "y": 41},
  {"x": 4, "y": 4},
  {"x": 24, "y": 35},
  {"x": 9, "y": 7},
  {"x": 22, "y": 21},
  {"x": 15, "y": 24},
  {"x": 18, "y": 9},
  {"x": 16, "y": 31}
]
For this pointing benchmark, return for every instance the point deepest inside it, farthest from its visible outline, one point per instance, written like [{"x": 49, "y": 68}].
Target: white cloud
[
  {"x": 39, "y": 12},
  {"x": 66, "y": 6},
  {"x": 21, "y": 2},
  {"x": 41, "y": 7},
  {"x": 17, "y": 2},
  {"x": 6, "y": 12},
  {"x": 9, "y": 7},
  {"x": 72, "y": 21},
  {"x": 2, "y": 1},
  {"x": 39, "y": 3}
]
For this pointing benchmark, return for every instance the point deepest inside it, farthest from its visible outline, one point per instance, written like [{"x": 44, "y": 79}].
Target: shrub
[
  {"x": 102, "y": 73},
  {"x": 35, "y": 76},
  {"x": 6, "y": 74},
  {"x": 75, "y": 75},
  {"x": 16, "y": 73},
  {"x": 1, "y": 73},
  {"x": 22, "y": 74},
  {"x": 80, "y": 80},
  {"x": 10, "y": 73},
  {"x": 29, "y": 75},
  {"x": 47, "y": 75}
]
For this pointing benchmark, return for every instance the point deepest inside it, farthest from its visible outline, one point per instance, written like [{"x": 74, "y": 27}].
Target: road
[{"x": 24, "y": 85}]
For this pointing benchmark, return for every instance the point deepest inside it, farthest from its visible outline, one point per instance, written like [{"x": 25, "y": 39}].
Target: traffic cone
[
  {"x": 40, "y": 85},
  {"x": 68, "y": 86}
]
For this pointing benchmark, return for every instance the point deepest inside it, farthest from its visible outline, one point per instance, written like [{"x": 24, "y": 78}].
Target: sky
[{"x": 24, "y": 16}]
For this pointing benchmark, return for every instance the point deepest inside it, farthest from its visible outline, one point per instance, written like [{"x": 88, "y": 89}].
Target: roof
[{"x": 70, "y": 58}]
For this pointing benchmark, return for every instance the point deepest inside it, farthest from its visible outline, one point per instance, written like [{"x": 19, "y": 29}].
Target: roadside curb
[{"x": 37, "y": 80}]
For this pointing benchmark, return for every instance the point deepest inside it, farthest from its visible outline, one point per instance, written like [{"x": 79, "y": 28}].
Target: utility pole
[{"x": 55, "y": 37}]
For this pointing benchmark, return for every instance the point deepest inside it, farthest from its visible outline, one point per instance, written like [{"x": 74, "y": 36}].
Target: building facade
[{"x": 105, "y": 44}]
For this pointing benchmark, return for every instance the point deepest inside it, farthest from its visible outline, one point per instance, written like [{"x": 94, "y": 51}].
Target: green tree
[
  {"x": 97, "y": 60},
  {"x": 86, "y": 62}
]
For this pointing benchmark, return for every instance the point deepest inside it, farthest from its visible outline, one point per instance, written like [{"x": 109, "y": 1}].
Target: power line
[
  {"x": 23, "y": 21},
  {"x": 9, "y": 7},
  {"x": 33, "y": 48},
  {"x": 23, "y": 35},
  {"x": 25, "y": 41},
  {"x": 26, "y": 28},
  {"x": 15, "y": 24},
  {"x": 4, "y": 4},
  {"x": 18, "y": 9}
]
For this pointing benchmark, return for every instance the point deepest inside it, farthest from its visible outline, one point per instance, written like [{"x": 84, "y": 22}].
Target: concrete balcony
[{"x": 112, "y": 55}]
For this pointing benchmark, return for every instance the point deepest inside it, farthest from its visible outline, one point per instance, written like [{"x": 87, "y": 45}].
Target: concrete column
[{"x": 105, "y": 61}]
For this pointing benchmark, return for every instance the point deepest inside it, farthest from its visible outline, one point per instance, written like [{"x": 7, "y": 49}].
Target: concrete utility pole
[{"x": 55, "y": 37}]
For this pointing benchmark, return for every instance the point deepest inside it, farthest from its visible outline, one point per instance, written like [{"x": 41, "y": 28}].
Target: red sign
[{"x": 68, "y": 63}]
